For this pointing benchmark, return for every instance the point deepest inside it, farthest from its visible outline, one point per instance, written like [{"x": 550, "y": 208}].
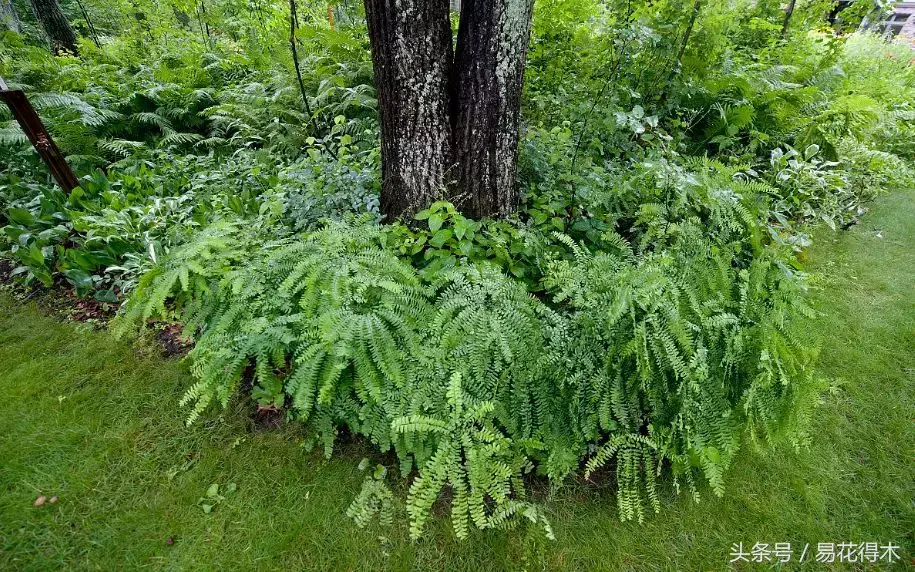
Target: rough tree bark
[
  {"x": 449, "y": 122},
  {"x": 412, "y": 55},
  {"x": 8, "y": 16},
  {"x": 488, "y": 77},
  {"x": 55, "y": 25}
]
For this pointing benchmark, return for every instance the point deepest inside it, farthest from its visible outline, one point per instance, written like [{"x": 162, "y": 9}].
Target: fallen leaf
[
  {"x": 53, "y": 500},
  {"x": 40, "y": 500}
]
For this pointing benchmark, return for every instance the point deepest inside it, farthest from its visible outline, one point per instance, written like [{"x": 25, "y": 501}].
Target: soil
[
  {"x": 265, "y": 419},
  {"x": 61, "y": 301},
  {"x": 172, "y": 342}
]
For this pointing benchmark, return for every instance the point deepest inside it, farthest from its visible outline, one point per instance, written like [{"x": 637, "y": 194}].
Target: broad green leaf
[
  {"x": 441, "y": 237},
  {"x": 21, "y": 216},
  {"x": 435, "y": 222}
]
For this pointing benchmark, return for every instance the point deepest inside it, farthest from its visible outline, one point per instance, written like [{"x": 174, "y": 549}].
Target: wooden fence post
[{"x": 41, "y": 140}]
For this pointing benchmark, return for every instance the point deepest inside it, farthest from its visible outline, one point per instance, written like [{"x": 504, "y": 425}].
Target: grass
[{"x": 95, "y": 422}]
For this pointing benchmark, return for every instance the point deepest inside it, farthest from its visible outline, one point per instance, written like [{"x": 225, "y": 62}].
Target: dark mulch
[
  {"x": 61, "y": 301},
  {"x": 263, "y": 419},
  {"x": 173, "y": 343},
  {"x": 266, "y": 419},
  {"x": 6, "y": 271}
]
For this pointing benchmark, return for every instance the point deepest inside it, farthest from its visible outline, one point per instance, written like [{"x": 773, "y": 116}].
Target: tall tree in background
[
  {"x": 449, "y": 121},
  {"x": 8, "y": 16},
  {"x": 55, "y": 25},
  {"x": 789, "y": 11}
]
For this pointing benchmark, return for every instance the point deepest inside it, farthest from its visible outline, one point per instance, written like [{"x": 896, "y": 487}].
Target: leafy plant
[
  {"x": 215, "y": 495},
  {"x": 662, "y": 355}
]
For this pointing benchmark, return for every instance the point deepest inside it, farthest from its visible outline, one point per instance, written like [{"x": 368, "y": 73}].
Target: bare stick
[
  {"x": 89, "y": 23},
  {"x": 293, "y": 19}
]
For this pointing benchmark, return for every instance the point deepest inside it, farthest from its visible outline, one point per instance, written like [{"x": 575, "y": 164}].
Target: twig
[
  {"x": 293, "y": 23},
  {"x": 91, "y": 25}
]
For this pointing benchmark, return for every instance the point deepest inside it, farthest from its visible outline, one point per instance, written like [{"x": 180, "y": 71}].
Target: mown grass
[{"x": 95, "y": 422}]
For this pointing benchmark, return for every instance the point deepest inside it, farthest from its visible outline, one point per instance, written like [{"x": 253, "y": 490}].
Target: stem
[
  {"x": 293, "y": 19},
  {"x": 90, "y": 24},
  {"x": 600, "y": 95},
  {"x": 689, "y": 30},
  {"x": 203, "y": 10},
  {"x": 206, "y": 40},
  {"x": 697, "y": 7}
]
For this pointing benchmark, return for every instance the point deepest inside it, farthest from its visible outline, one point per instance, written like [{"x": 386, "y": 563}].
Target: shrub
[{"x": 657, "y": 350}]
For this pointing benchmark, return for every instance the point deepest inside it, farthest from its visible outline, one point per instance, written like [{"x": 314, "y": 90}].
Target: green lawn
[{"x": 95, "y": 422}]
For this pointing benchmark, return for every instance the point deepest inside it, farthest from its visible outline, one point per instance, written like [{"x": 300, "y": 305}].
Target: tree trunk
[
  {"x": 449, "y": 124},
  {"x": 8, "y": 16},
  {"x": 488, "y": 77},
  {"x": 697, "y": 7},
  {"x": 411, "y": 55},
  {"x": 55, "y": 25},
  {"x": 789, "y": 11}
]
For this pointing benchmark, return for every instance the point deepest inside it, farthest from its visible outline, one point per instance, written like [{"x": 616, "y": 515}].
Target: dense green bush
[{"x": 663, "y": 347}]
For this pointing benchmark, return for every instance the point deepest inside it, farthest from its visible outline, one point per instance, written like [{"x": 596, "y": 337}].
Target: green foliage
[
  {"x": 107, "y": 231},
  {"x": 661, "y": 348},
  {"x": 214, "y": 496},
  {"x": 451, "y": 239},
  {"x": 323, "y": 187},
  {"x": 809, "y": 187}
]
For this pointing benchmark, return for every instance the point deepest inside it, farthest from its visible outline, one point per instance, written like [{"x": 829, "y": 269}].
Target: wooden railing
[{"x": 41, "y": 140}]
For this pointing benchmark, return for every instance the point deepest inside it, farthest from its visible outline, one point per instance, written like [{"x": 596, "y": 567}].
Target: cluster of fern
[
  {"x": 122, "y": 102},
  {"x": 661, "y": 348}
]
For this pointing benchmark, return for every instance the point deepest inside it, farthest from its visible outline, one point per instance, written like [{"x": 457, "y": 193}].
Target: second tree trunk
[
  {"x": 55, "y": 25},
  {"x": 488, "y": 77}
]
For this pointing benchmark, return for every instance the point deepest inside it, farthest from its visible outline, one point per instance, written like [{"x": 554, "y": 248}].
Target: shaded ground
[{"x": 95, "y": 423}]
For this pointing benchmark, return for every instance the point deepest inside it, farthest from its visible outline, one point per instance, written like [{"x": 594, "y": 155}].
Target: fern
[{"x": 663, "y": 355}]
